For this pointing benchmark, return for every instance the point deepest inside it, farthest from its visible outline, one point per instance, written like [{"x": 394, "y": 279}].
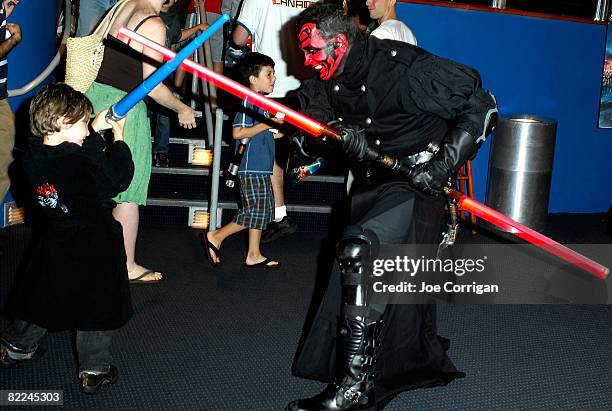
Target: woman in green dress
[{"x": 124, "y": 66}]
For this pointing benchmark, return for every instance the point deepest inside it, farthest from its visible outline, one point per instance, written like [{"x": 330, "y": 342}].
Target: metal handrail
[
  {"x": 216, "y": 172},
  {"x": 208, "y": 89}
]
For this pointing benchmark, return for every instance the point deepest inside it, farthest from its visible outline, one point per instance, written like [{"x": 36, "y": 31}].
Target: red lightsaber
[
  {"x": 291, "y": 116},
  {"x": 495, "y": 217},
  {"x": 317, "y": 129}
]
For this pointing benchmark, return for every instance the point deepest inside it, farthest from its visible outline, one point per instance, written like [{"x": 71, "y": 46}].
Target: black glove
[
  {"x": 234, "y": 54},
  {"x": 431, "y": 177},
  {"x": 354, "y": 140}
]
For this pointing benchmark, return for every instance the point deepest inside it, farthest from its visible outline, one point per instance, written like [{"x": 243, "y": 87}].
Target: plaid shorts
[{"x": 257, "y": 201}]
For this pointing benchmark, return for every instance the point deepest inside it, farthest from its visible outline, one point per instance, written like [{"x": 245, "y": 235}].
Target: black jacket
[
  {"x": 76, "y": 277},
  {"x": 402, "y": 95}
]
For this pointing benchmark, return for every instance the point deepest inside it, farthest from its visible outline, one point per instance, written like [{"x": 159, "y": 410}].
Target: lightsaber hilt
[
  {"x": 120, "y": 109},
  {"x": 390, "y": 162},
  {"x": 372, "y": 154},
  {"x": 111, "y": 115},
  {"x": 234, "y": 166}
]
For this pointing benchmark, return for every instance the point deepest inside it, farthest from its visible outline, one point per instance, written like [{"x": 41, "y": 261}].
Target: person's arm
[
  {"x": 236, "y": 48},
  {"x": 247, "y": 23},
  {"x": 186, "y": 33},
  {"x": 9, "y": 6},
  {"x": 100, "y": 122},
  {"x": 155, "y": 29},
  {"x": 7, "y": 45},
  {"x": 454, "y": 92},
  {"x": 116, "y": 167},
  {"x": 238, "y": 133},
  {"x": 240, "y": 35},
  {"x": 244, "y": 128}
]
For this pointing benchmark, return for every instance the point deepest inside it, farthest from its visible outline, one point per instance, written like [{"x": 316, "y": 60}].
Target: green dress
[{"x": 137, "y": 135}]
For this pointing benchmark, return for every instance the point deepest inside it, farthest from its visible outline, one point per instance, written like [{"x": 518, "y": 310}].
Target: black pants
[
  {"x": 93, "y": 347},
  {"x": 394, "y": 213}
]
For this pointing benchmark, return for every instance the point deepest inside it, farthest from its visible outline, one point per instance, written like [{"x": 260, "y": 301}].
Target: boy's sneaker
[
  {"x": 161, "y": 160},
  {"x": 91, "y": 383},
  {"x": 275, "y": 230},
  {"x": 6, "y": 361}
]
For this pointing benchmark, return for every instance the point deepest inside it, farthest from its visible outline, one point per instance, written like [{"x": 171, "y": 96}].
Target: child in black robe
[{"x": 76, "y": 277}]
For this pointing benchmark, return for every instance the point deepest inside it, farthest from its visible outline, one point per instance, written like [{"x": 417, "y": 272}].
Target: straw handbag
[{"x": 84, "y": 54}]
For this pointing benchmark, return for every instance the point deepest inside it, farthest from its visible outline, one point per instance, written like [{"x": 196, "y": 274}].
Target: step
[
  {"x": 205, "y": 171},
  {"x": 230, "y": 205},
  {"x": 176, "y": 212},
  {"x": 193, "y": 183}
]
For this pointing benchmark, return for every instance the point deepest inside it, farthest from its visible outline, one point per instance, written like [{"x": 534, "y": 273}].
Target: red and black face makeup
[{"x": 320, "y": 53}]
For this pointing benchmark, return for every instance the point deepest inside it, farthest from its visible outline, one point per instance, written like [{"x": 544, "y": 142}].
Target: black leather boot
[{"x": 353, "y": 386}]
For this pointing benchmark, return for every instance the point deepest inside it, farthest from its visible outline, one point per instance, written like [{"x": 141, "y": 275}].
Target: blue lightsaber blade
[{"x": 121, "y": 108}]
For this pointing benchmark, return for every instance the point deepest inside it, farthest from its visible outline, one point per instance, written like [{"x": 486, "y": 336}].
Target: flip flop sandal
[
  {"x": 139, "y": 279},
  {"x": 208, "y": 247},
  {"x": 264, "y": 264}
]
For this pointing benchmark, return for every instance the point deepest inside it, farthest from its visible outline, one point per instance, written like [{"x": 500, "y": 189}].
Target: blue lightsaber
[{"x": 120, "y": 109}]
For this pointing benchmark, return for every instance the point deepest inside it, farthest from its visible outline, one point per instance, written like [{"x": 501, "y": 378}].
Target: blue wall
[
  {"x": 547, "y": 67},
  {"x": 36, "y": 50},
  {"x": 38, "y": 45}
]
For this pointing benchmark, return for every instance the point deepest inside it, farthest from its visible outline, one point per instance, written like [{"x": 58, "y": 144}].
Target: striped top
[{"x": 3, "y": 62}]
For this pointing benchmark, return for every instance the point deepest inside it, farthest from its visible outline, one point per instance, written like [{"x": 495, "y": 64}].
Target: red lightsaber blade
[
  {"x": 317, "y": 129},
  {"x": 291, "y": 116},
  {"x": 495, "y": 217}
]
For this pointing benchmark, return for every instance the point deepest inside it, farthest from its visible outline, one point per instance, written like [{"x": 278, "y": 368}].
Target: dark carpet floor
[{"x": 223, "y": 339}]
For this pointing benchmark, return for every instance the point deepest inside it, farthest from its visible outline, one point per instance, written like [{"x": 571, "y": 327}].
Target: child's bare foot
[{"x": 141, "y": 275}]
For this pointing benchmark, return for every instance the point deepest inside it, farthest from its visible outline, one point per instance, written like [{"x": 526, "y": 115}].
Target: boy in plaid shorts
[{"x": 253, "y": 124}]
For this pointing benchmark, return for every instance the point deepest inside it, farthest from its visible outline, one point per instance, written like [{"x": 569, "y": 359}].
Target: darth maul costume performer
[{"x": 433, "y": 114}]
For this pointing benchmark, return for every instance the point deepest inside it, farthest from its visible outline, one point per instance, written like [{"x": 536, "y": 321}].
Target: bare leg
[
  {"x": 277, "y": 185},
  {"x": 254, "y": 255},
  {"x": 216, "y": 237},
  {"x": 127, "y": 214},
  {"x": 218, "y": 68}
]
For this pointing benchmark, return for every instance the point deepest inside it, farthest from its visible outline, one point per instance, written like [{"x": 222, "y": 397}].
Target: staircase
[{"x": 179, "y": 195}]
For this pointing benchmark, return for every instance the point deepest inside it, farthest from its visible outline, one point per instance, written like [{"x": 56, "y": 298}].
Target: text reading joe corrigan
[{"x": 390, "y": 274}]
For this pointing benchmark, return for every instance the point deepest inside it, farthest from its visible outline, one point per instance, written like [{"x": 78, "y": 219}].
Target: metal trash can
[{"x": 520, "y": 168}]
